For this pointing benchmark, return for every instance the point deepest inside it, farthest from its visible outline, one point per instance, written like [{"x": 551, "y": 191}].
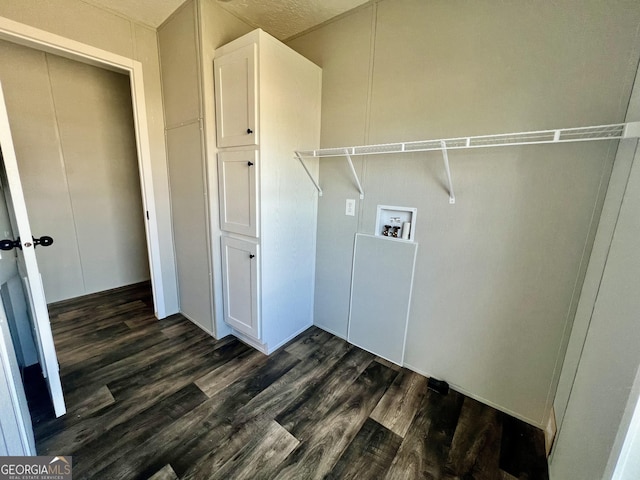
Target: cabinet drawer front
[
  {"x": 235, "y": 93},
  {"x": 240, "y": 285},
  {"x": 237, "y": 172}
]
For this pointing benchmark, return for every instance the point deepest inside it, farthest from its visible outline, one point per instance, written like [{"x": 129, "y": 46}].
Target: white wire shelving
[{"x": 616, "y": 131}]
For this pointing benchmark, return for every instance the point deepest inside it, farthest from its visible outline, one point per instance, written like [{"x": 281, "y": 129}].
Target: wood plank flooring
[{"x": 163, "y": 400}]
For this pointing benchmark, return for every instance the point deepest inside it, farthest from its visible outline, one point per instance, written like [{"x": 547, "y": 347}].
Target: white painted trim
[
  {"x": 146, "y": 184},
  {"x": 32, "y": 37},
  {"x": 45, "y": 41}
]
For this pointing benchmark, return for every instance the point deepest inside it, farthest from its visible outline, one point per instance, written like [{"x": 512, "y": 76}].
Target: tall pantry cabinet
[{"x": 267, "y": 106}]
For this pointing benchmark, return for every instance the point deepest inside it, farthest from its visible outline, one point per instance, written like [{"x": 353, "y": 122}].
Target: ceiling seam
[{"x": 118, "y": 14}]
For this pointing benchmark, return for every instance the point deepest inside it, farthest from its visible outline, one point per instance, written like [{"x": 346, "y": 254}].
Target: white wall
[
  {"x": 73, "y": 131},
  {"x": 498, "y": 274},
  {"x": 95, "y": 121},
  {"x": 187, "y": 43},
  {"x": 93, "y": 26},
  {"x": 179, "y": 60},
  {"x": 610, "y": 357},
  {"x": 601, "y": 372}
]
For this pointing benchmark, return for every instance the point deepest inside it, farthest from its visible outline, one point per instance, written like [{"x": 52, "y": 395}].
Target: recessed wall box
[{"x": 398, "y": 223}]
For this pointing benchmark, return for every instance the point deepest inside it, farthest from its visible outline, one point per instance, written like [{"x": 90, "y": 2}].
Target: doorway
[
  {"x": 153, "y": 171},
  {"x": 73, "y": 131},
  {"x": 159, "y": 236}
]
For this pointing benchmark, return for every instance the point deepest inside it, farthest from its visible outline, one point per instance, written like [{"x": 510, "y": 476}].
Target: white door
[
  {"x": 237, "y": 178},
  {"x": 15, "y": 421},
  {"x": 235, "y": 84},
  {"x": 28, "y": 266},
  {"x": 240, "y": 285}
]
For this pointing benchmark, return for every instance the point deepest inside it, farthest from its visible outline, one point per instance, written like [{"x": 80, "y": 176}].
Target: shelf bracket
[
  {"x": 445, "y": 156},
  {"x": 315, "y": 183},
  {"x": 353, "y": 172}
]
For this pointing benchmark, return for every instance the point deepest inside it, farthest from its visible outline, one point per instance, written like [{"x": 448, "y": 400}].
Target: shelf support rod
[
  {"x": 315, "y": 183},
  {"x": 445, "y": 156},
  {"x": 353, "y": 172}
]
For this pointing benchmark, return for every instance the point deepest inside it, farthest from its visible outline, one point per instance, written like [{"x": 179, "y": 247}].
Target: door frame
[{"x": 35, "y": 38}]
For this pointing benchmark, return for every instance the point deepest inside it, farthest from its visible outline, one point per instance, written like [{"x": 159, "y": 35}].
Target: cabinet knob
[
  {"x": 250, "y": 164},
  {"x": 249, "y": 131},
  {"x": 251, "y": 255}
]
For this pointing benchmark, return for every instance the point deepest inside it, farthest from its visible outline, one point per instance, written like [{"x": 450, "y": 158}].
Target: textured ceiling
[
  {"x": 285, "y": 18},
  {"x": 280, "y": 18}
]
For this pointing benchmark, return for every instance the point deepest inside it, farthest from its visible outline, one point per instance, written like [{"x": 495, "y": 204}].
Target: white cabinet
[
  {"x": 240, "y": 285},
  {"x": 237, "y": 171},
  {"x": 267, "y": 106},
  {"x": 236, "y": 107}
]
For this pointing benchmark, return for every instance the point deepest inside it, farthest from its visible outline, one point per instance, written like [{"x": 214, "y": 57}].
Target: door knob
[
  {"x": 8, "y": 244},
  {"x": 44, "y": 241},
  {"x": 250, "y": 164},
  {"x": 251, "y": 255},
  {"x": 249, "y": 131}
]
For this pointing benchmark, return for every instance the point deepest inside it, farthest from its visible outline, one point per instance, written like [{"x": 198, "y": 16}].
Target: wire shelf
[{"x": 563, "y": 135}]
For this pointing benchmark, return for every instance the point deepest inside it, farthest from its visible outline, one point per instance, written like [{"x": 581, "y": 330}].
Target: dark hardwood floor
[{"x": 163, "y": 400}]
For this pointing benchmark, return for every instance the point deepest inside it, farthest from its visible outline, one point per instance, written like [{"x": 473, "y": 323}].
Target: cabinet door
[
  {"x": 237, "y": 173},
  {"x": 240, "y": 285},
  {"x": 236, "y": 95}
]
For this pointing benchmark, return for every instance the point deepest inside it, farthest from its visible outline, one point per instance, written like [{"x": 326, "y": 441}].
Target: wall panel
[
  {"x": 95, "y": 122},
  {"x": 498, "y": 274},
  {"x": 188, "y": 204}
]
